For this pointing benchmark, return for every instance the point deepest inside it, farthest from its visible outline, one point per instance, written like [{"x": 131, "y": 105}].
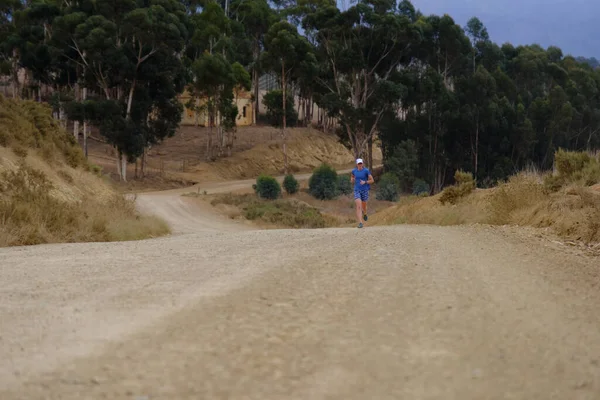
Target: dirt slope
[
  {"x": 258, "y": 149},
  {"x": 221, "y": 312},
  {"x": 49, "y": 193}
]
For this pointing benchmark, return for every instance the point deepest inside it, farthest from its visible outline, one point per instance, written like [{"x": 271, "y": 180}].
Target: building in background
[{"x": 190, "y": 116}]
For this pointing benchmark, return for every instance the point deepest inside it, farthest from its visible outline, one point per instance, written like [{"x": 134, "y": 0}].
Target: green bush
[
  {"x": 267, "y": 187},
  {"x": 388, "y": 187},
  {"x": 323, "y": 183},
  {"x": 273, "y": 101},
  {"x": 344, "y": 185},
  {"x": 465, "y": 184},
  {"x": 421, "y": 188},
  {"x": 290, "y": 184},
  {"x": 403, "y": 162}
]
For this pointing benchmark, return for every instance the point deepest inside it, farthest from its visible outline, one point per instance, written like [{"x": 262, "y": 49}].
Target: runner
[{"x": 362, "y": 180}]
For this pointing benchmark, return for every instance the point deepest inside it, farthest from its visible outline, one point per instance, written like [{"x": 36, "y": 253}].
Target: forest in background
[{"x": 437, "y": 97}]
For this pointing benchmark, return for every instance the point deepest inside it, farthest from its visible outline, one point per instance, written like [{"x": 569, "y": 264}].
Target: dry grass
[
  {"x": 465, "y": 184},
  {"x": 287, "y": 213},
  {"x": 572, "y": 212},
  {"x": 47, "y": 192},
  {"x": 28, "y": 125},
  {"x": 307, "y": 149},
  {"x": 430, "y": 211},
  {"x": 31, "y": 214},
  {"x": 257, "y": 149}
]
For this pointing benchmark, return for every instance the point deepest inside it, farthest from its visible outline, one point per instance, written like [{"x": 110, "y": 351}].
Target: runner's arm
[
  {"x": 352, "y": 178},
  {"x": 370, "y": 180}
]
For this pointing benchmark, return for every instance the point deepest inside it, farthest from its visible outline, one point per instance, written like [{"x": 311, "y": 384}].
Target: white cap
[{"x": 359, "y": 161}]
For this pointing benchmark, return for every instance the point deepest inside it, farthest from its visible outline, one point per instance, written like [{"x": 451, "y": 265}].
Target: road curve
[{"x": 220, "y": 310}]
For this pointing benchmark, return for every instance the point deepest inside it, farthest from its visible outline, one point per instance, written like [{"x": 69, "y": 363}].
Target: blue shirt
[{"x": 361, "y": 176}]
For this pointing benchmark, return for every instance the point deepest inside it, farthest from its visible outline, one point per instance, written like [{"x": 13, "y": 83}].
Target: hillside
[
  {"x": 565, "y": 203},
  {"x": 48, "y": 191},
  {"x": 180, "y": 160}
]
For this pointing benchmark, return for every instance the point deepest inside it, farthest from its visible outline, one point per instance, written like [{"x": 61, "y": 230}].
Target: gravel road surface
[{"x": 221, "y": 310}]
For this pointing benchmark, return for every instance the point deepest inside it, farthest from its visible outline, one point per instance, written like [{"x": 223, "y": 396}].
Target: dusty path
[{"x": 222, "y": 311}]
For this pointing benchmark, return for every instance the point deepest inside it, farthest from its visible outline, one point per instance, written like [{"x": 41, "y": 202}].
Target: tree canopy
[{"x": 421, "y": 86}]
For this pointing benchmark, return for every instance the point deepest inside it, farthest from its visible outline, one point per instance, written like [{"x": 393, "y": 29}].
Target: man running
[{"x": 362, "y": 180}]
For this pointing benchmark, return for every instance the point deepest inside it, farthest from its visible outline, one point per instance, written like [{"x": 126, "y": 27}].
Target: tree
[
  {"x": 286, "y": 51},
  {"x": 212, "y": 72},
  {"x": 479, "y": 103},
  {"x": 120, "y": 46},
  {"x": 360, "y": 49},
  {"x": 478, "y": 34},
  {"x": 9, "y": 52},
  {"x": 256, "y": 16}
]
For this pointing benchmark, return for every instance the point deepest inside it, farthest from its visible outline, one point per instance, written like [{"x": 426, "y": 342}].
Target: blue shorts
[{"x": 362, "y": 194}]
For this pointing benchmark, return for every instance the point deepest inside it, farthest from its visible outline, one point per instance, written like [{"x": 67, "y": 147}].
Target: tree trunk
[
  {"x": 370, "y": 150},
  {"x": 255, "y": 81},
  {"x": 85, "y": 145},
  {"x": 62, "y": 118},
  {"x": 76, "y": 122},
  {"x": 123, "y": 168},
  {"x": 119, "y": 165},
  {"x": 285, "y": 159},
  {"x": 476, "y": 146},
  {"x": 130, "y": 99},
  {"x": 143, "y": 167},
  {"x": 15, "y": 76},
  {"x": 210, "y": 132}
]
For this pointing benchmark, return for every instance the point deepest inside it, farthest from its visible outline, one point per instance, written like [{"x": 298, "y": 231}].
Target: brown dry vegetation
[
  {"x": 280, "y": 213},
  {"x": 338, "y": 212},
  {"x": 179, "y": 160},
  {"x": 570, "y": 209},
  {"x": 48, "y": 192}
]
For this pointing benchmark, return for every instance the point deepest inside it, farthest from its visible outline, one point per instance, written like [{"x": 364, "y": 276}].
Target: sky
[{"x": 568, "y": 24}]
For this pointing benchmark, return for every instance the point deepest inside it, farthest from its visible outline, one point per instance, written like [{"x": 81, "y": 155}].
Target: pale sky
[{"x": 568, "y": 24}]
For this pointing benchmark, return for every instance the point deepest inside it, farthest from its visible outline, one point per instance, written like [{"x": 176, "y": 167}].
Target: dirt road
[{"x": 220, "y": 310}]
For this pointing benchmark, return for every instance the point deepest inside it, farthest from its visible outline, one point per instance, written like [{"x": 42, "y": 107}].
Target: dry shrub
[
  {"x": 522, "y": 191},
  {"x": 580, "y": 168},
  {"x": 66, "y": 176},
  {"x": 29, "y": 125},
  {"x": 430, "y": 211},
  {"x": 20, "y": 151},
  {"x": 465, "y": 184},
  {"x": 572, "y": 213},
  {"x": 287, "y": 213},
  {"x": 30, "y": 214}
]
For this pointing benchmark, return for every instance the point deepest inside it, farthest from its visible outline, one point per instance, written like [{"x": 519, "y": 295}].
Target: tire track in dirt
[{"x": 220, "y": 310}]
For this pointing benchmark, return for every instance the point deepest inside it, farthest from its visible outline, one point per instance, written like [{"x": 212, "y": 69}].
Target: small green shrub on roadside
[
  {"x": 465, "y": 184},
  {"x": 323, "y": 183},
  {"x": 290, "y": 184},
  {"x": 388, "y": 188},
  {"x": 344, "y": 185},
  {"x": 267, "y": 187},
  {"x": 421, "y": 188}
]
